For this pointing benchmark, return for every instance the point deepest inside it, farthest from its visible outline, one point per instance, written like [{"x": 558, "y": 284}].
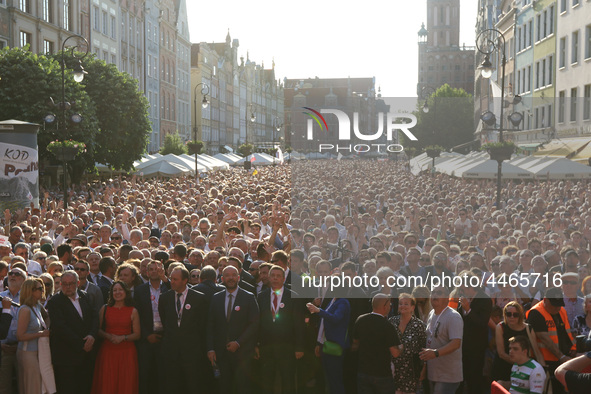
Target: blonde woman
[
  {"x": 30, "y": 327},
  {"x": 422, "y": 296}
]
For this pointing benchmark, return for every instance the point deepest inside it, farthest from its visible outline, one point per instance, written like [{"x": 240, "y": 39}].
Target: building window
[
  {"x": 588, "y": 42},
  {"x": 562, "y": 54},
  {"x": 67, "y": 15},
  {"x": 528, "y": 79},
  {"x": 47, "y": 10},
  {"x": 47, "y": 47},
  {"x": 575, "y": 3},
  {"x": 573, "y": 105},
  {"x": 537, "y": 83},
  {"x": 25, "y": 5},
  {"x": 96, "y": 18},
  {"x": 561, "y": 106},
  {"x": 551, "y": 20},
  {"x": 550, "y": 69},
  {"x": 113, "y": 27},
  {"x": 539, "y": 27},
  {"x": 25, "y": 39},
  {"x": 587, "y": 103},
  {"x": 575, "y": 47},
  {"x": 105, "y": 23},
  {"x": 563, "y": 5}
]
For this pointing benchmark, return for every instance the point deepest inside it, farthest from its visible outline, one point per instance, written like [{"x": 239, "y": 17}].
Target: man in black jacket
[
  {"x": 183, "y": 313},
  {"x": 231, "y": 333},
  {"x": 281, "y": 332},
  {"x": 207, "y": 285},
  {"x": 475, "y": 307},
  {"x": 74, "y": 327},
  {"x": 146, "y": 297}
]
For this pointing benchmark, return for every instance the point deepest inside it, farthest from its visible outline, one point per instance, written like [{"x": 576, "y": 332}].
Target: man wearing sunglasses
[{"x": 445, "y": 330}]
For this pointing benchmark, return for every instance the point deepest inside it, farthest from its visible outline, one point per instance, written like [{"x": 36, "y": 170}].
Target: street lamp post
[
  {"x": 487, "y": 47},
  {"x": 78, "y": 73},
  {"x": 204, "y": 104}
]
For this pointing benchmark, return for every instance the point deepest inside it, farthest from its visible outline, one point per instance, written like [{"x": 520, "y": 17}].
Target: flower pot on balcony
[
  {"x": 501, "y": 153},
  {"x": 66, "y": 153},
  {"x": 433, "y": 153}
]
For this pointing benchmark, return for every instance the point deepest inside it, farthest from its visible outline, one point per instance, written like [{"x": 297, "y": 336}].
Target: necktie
[
  {"x": 229, "y": 309},
  {"x": 274, "y": 302},
  {"x": 178, "y": 304}
]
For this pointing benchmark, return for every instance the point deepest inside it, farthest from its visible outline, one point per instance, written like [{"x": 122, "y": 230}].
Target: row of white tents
[
  {"x": 479, "y": 165},
  {"x": 179, "y": 165}
]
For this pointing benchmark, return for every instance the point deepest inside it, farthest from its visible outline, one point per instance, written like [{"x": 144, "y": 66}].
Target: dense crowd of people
[{"x": 324, "y": 276}]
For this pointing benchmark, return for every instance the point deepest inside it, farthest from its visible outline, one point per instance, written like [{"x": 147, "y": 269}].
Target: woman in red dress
[{"x": 116, "y": 368}]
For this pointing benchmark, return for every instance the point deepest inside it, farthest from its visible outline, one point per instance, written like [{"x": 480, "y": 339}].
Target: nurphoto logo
[{"x": 394, "y": 121}]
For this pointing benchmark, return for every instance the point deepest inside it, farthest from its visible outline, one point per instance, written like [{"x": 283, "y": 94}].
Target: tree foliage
[
  {"x": 122, "y": 113},
  {"x": 28, "y": 82},
  {"x": 114, "y": 127},
  {"x": 173, "y": 144},
  {"x": 449, "y": 122}
]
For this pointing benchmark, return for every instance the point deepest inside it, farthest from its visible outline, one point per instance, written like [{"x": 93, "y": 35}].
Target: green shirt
[{"x": 527, "y": 378}]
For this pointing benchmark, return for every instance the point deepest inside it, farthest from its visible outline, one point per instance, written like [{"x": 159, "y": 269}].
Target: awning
[
  {"x": 567, "y": 147},
  {"x": 583, "y": 155}
]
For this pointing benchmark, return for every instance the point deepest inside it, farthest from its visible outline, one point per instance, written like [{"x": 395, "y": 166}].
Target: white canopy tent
[
  {"x": 486, "y": 168},
  {"x": 560, "y": 168},
  {"x": 207, "y": 162},
  {"x": 170, "y": 158},
  {"x": 230, "y": 158},
  {"x": 261, "y": 159},
  {"x": 165, "y": 169},
  {"x": 423, "y": 162}
]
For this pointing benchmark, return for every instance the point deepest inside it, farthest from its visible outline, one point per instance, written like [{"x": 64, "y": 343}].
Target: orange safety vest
[{"x": 548, "y": 355}]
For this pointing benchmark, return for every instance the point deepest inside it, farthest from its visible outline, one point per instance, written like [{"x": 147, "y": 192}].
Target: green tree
[
  {"x": 114, "y": 127},
  {"x": 173, "y": 144},
  {"x": 122, "y": 113},
  {"x": 28, "y": 83},
  {"x": 449, "y": 122}
]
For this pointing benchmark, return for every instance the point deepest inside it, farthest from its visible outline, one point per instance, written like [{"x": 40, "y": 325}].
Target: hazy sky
[{"x": 327, "y": 38}]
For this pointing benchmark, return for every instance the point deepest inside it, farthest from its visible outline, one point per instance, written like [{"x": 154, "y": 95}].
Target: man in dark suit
[
  {"x": 108, "y": 267},
  {"x": 231, "y": 333},
  {"x": 74, "y": 327},
  {"x": 208, "y": 285},
  {"x": 245, "y": 276},
  {"x": 183, "y": 313},
  {"x": 475, "y": 307},
  {"x": 243, "y": 284},
  {"x": 5, "y": 318},
  {"x": 281, "y": 333},
  {"x": 146, "y": 297}
]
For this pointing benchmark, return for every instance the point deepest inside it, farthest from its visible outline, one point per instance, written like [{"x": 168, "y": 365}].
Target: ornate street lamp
[
  {"x": 204, "y": 104},
  {"x": 78, "y": 72}
]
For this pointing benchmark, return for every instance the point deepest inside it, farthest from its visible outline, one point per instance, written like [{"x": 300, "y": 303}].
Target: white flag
[{"x": 279, "y": 155}]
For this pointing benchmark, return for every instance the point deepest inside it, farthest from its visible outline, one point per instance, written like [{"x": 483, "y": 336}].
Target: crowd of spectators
[{"x": 165, "y": 285}]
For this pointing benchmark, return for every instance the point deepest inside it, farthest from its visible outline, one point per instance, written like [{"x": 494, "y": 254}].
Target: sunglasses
[
  {"x": 513, "y": 314},
  {"x": 14, "y": 274}
]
